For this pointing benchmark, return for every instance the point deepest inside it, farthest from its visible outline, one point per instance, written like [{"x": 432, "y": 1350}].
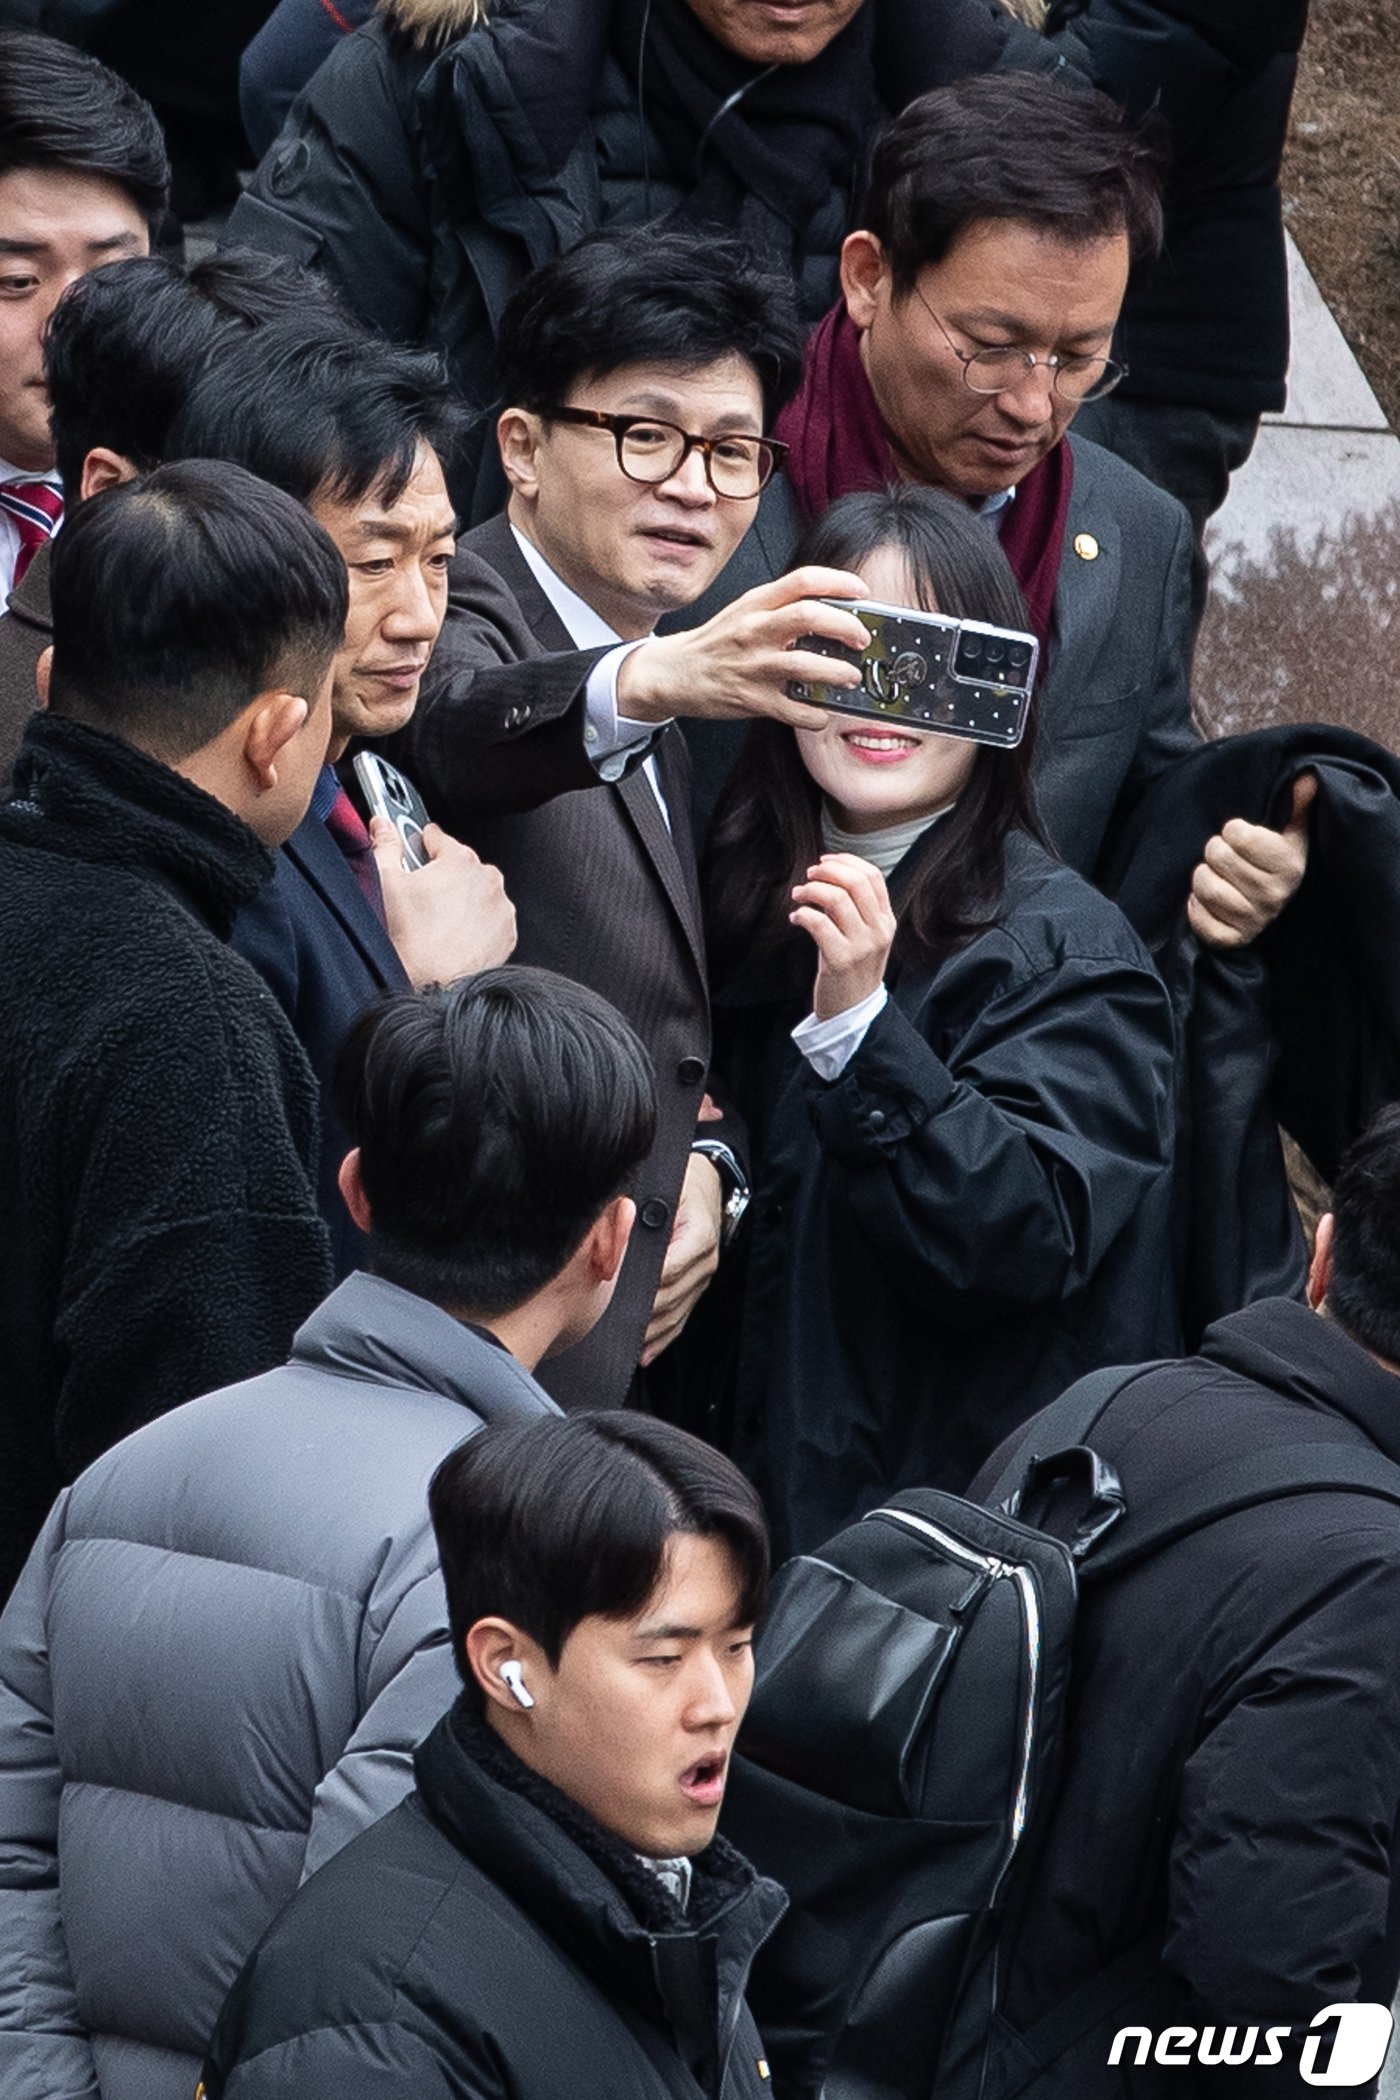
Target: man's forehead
[
  {"x": 728, "y": 389},
  {"x": 44, "y": 208}
]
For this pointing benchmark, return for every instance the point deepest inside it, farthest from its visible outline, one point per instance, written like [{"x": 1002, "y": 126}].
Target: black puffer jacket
[
  {"x": 489, "y": 1941},
  {"x": 158, "y": 1225},
  {"x": 427, "y": 170},
  {"x": 1208, "y": 326}
]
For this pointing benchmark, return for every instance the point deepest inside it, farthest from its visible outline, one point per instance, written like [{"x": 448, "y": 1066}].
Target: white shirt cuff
[
  {"x": 829, "y": 1046},
  {"x": 608, "y": 737}
]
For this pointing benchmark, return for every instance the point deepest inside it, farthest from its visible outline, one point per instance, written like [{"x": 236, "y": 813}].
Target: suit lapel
[
  {"x": 1087, "y": 592},
  {"x": 670, "y": 850},
  {"x": 320, "y": 861}
]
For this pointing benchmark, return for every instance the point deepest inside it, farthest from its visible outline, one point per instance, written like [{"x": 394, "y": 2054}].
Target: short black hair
[
  {"x": 496, "y": 1119},
  {"x": 1011, "y": 146},
  {"x": 647, "y": 296},
  {"x": 62, "y": 110},
  {"x": 549, "y": 1522},
  {"x": 178, "y": 599},
  {"x": 1364, "y": 1293},
  {"x": 322, "y": 407},
  {"x": 126, "y": 343}
]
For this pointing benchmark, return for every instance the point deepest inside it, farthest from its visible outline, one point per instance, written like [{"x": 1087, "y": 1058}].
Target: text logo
[{"x": 1359, "y": 2036}]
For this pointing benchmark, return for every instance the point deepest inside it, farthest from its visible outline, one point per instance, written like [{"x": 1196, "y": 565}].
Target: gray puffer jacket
[{"x": 225, "y": 1646}]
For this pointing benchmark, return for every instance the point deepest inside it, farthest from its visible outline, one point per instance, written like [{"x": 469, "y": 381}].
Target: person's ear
[
  {"x": 271, "y": 723},
  {"x": 351, "y": 1182},
  {"x": 1320, "y": 1267},
  {"x": 490, "y": 1645},
  {"x": 104, "y": 469},
  {"x": 606, "y": 1245},
  {"x": 43, "y": 672},
  {"x": 518, "y": 433},
  {"x": 865, "y": 274}
]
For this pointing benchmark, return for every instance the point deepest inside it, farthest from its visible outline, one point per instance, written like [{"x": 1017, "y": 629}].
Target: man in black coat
[
  {"x": 1205, "y": 332},
  {"x": 158, "y": 1230},
  {"x": 642, "y": 369},
  {"x": 358, "y": 432},
  {"x": 1226, "y": 1838},
  {"x": 449, "y": 147},
  {"x": 551, "y": 1910}
]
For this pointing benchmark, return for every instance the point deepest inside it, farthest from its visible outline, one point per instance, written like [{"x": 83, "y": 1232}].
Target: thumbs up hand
[{"x": 1248, "y": 873}]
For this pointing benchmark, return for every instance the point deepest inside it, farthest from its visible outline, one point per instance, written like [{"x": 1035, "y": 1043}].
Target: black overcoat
[{"x": 973, "y": 1214}]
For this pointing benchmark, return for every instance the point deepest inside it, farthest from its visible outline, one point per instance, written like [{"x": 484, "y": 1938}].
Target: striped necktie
[{"x": 36, "y": 509}]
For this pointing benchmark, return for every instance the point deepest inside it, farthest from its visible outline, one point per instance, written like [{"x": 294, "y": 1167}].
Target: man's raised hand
[{"x": 739, "y": 664}]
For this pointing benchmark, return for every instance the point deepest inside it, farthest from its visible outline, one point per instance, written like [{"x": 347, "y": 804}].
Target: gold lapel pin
[{"x": 1086, "y": 546}]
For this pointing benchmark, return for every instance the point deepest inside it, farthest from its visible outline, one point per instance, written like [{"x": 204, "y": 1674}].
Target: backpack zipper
[{"x": 998, "y": 1570}]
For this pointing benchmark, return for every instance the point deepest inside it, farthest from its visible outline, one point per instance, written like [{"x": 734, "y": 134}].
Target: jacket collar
[
  {"x": 87, "y": 796},
  {"x": 1287, "y": 1347},
  {"x": 688, "y": 1981},
  {"x": 372, "y": 1330}
]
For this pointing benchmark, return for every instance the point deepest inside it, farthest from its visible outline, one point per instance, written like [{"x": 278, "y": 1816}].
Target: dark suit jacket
[
  {"x": 1114, "y": 705},
  {"x": 25, "y": 633},
  {"x": 311, "y": 935},
  {"x": 603, "y": 892}
]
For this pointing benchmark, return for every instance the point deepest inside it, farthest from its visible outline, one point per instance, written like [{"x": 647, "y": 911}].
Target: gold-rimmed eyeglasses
[{"x": 994, "y": 371}]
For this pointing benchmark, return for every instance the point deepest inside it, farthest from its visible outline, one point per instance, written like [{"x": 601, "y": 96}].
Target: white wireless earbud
[{"x": 513, "y": 1674}]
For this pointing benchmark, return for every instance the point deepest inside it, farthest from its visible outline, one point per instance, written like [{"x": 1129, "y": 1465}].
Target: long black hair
[{"x": 767, "y": 828}]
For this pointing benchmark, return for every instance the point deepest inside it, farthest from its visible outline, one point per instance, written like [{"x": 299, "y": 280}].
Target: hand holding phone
[
  {"x": 930, "y": 671},
  {"x": 392, "y": 796}
]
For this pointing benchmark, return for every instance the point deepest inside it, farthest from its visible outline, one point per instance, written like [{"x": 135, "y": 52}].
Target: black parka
[
  {"x": 973, "y": 1214},
  {"x": 1230, "y": 1796},
  {"x": 472, "y": 1947},
  {"x": 1208, "y": 324}
]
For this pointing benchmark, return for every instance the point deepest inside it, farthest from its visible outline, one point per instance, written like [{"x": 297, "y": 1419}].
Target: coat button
[
  {"x": 690, "y": 1071},
  {"x": 655, "y": 1213},
  {"x": 876, "y": 1120}
]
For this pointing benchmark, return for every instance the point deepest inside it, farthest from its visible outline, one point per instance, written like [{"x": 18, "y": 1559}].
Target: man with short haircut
[
  {"x": 642, "y": 372},
  {"x": 979, "y": 299},
  {"x": 121, "y": 351},
  {"x": 358, "y": 432},
  {"x": 83, "y": 178},
  {"x": 257, "y": 1571},
  {"x": 551, "y": 1909},
  {"x": 158, "y": 1228},
  {"x": 1226, "y": 1838}
]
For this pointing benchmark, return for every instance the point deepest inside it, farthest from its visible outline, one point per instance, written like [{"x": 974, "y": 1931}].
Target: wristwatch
[{"x": 734, "y": 1181}]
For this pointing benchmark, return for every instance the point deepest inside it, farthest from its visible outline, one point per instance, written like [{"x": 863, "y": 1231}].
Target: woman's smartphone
[{"x": 962, "y": 677}]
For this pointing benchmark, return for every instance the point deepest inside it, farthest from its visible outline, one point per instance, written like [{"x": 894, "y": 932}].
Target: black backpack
[{"x": 905, "y": 1731}]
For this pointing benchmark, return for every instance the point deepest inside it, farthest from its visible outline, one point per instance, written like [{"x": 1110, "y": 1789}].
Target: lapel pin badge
[{"x": 1086, "y": 546}]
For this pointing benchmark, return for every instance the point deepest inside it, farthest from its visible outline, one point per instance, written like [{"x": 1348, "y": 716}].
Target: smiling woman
[{"x": 962, "y": 1193}]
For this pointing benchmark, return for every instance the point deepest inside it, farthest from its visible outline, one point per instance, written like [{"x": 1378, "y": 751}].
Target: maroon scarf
[{"x": 839, "y": 442}]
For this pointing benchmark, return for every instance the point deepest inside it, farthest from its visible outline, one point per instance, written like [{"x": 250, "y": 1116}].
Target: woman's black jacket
[
  {"x": 471, "y": 1946},
  {"x": 973, "y": 1214}
]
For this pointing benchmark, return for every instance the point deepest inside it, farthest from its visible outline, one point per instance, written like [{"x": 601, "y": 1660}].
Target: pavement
[{"x": 1306, "y": 551}]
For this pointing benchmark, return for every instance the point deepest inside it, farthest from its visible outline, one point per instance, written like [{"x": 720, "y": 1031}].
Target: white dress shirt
[
  {"x": 9, "y": 530},
  {"x": 608, "y": 736}
]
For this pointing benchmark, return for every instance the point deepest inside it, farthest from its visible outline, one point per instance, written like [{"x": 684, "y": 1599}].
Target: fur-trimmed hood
[{"x": 432, "y": 23}]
